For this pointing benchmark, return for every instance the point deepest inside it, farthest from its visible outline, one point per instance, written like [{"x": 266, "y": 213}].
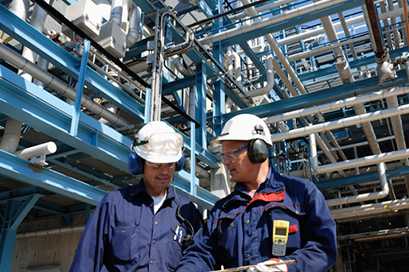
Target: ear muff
[
  {"x": 180, "y": 163},
  {"x": 257, "y": 151},
  {"x": 135, "y": 164}
]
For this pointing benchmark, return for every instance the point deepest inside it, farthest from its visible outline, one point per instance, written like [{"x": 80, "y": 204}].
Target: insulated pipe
[
  {"x": 367, "y": 196},
  {"x": 345, "y": 122},
  {"x": 368, "y": 160},
  {"x": 135, "y": 26},
  {"x": 274, "y": 20},
  {"x": 37, "y": 150},
  {"x": 11, "y": 137},
  {"x": 369, "y": 210},
  {"x": 368, "y": 130},
  {"x": 396, "y": 123},
  {"x": 344, "y": 103},
  {"x": 277, "y": 50},
  {"x": 313, "y": 153},
  {"x": 347, "y": 34},
  {"x": 58, "y": 85},
  {"x": 116, "y": 12},
  {"x": 12, "y": 131},
  {"x": 270, "y": 79}
]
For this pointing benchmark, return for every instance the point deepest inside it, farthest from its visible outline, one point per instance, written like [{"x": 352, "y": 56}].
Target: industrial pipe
[
  {"x": 364, "y": 161},
  {"x": 37, "y": 150},
  {"x": 369, "y": 210},
  {"x": 367, "y": 196},
  {"x": 343, "y": 103},
  {"x": 58, "y": 85},
  {"x": 345, "y": 122}
]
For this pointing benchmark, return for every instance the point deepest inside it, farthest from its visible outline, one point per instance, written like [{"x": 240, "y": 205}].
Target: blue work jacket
[
  {"x": 239, "y": 229},
  {"x": 124, "y": 234}
]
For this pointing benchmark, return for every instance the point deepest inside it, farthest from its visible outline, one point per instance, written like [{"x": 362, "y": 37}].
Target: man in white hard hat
[
  {"x": 268, "y": 218},
  {"x": 144, "y": 227}
]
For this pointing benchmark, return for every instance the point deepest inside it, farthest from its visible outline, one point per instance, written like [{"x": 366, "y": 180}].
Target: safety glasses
[{"x": 233, "y": 154}]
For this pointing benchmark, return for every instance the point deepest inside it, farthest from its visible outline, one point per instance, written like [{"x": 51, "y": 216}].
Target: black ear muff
[{"x": 257, "y": 151}]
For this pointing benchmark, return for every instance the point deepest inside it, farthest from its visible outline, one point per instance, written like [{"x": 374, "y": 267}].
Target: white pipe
[
  {"x": 370, "y": 209},
  {"x": 116, "y": 12},
  {"x": 277, "y": 51},
  {"x": 135, "y": 26},
  {"x": 317, "y": 31},
  {"x": 365, "y": 161},
  {"x": 37, "y": 150},
  {"x": 270, "y": 80},
  {"x": 58, "y": 85},
  {"x": 313, "y": 153},
  {"x": 367, "y": 196},
  {"x": 11, "y": 136},
  {"x": 344, "y": 103},
  {"x": 345, "y": 122},
  {"x": 301, "y": 11},
  {"x": 396, "y": 123},
  {"x": 368, "y": 130}
]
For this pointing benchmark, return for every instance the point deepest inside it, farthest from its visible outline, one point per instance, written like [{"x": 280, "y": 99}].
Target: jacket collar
[
  {"x": 272, "y": 185},
  {"x": 139, "y": 190}
]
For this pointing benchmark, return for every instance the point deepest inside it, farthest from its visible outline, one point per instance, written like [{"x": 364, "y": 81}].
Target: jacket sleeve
[
  {"x": 200, "y": 255},
  {"x": 90, "y": 251},
  {"x": 318, "y": 233}
]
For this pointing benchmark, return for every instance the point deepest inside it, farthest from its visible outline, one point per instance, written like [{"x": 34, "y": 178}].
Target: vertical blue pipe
[
  {"x": 79, "y": 90},
  {"x": 218, "y": 93}
]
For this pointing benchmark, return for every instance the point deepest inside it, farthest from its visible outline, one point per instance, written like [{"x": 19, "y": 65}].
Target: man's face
[
  {"x": 158, "y": 176},
  {"x": 236, "y": 160}
]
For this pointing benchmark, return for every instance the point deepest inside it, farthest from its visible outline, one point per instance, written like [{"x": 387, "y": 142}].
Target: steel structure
[{"x": 329, "y": 76}]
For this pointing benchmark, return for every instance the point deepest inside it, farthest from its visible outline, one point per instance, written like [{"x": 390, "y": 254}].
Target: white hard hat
[
  {"x": 245, "y": 127},
  {"x": 158, "y": 142}
]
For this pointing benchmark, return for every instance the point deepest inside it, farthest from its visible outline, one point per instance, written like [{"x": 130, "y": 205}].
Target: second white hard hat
[
  {"x": 245, "y": 127},
  {"x": 158, "y": 142}
]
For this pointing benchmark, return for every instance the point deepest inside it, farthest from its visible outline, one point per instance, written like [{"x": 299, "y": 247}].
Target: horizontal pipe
[
  {"x": 345, "y": 122},
  {"x": 369, "y": 210},
  {"x": 344, "y": 103},
  {"x": 38, "y": 150},
  {"x": 367, "y": 196},
  {"x": 368, "y": 160},
  {"x": 298, "y": 12}
]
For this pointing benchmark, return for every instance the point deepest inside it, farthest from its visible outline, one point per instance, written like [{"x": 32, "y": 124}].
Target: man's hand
[{"x": 272, "y": 265}]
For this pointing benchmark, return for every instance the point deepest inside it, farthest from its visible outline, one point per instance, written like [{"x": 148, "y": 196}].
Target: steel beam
[
  {"x": 15, "y": 212},
  {"x": 18, "y": 169}
]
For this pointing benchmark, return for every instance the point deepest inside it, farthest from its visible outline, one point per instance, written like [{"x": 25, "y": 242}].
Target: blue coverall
[
  {"x": 239, "y": 229},
  {"x": 124, "y": 234}
]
